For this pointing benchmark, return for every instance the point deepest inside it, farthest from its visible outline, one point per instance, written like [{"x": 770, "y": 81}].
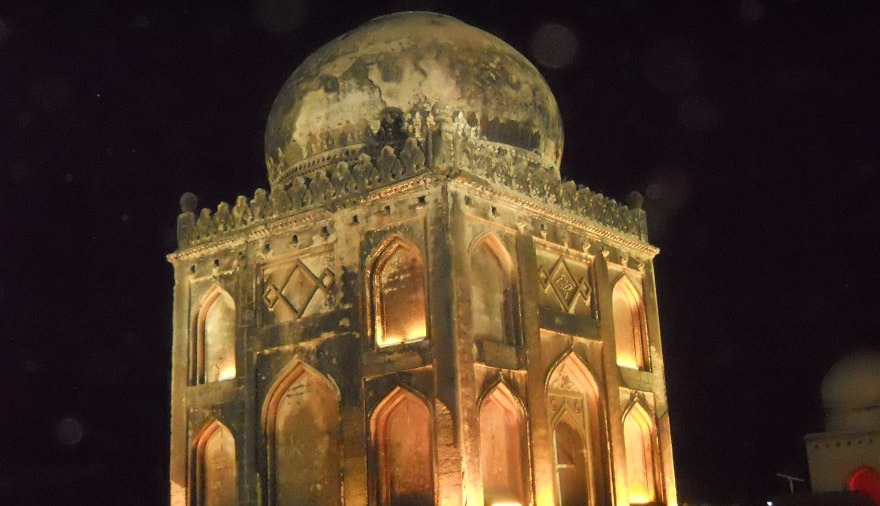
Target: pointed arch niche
[
  {"x": 493, "y": 291},
  {"x": 502, "y": 448},
  {"x": 213, "y": 471},
  {"x": 641, "y": 460},
  {"x": 630, "y": 333},
  {"x": 301, "y": 423},
  {"x": 402, "y": 441},
  {"x": 398, "y": 300},
  {"x": 578, "y": 433},
  {"x": 213, "y": 338}
]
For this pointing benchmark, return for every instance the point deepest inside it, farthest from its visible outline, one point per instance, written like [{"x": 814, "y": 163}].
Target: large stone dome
[
  {"x": 851, "y": 393},
  {"x": 345, "y": 93}
]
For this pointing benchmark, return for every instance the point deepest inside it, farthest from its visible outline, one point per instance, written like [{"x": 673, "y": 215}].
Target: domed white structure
[
  {"x": 419, "y": 311},
  {"x": 851, "y": 442},
  {"x": 851, "y": 393}
]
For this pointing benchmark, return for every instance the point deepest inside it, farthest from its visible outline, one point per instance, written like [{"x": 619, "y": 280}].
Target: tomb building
[
  {"x": 419, "y": 310},
  {"x": 846, "y": 457}
]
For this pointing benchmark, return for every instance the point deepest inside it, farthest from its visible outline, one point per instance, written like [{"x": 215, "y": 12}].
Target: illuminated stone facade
[{"x": 420, "y": 311}]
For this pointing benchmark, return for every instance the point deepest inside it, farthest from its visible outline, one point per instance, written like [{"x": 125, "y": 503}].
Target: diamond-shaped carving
[
  {"x": 298, "y": 288},
  {"x": 328, "y": 279},
  {"x": 271, "y": 296},
  {"x": 564, "y": 285},
  {"x": 543, "y": 277},
  {"x": 584, "y": 290},
  {"x": 563, "y": 282}
]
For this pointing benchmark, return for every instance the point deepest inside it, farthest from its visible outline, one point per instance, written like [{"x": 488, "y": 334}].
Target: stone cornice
[
  {"x": 546, "y": 211},
  {"x": 391, "y": 164}
]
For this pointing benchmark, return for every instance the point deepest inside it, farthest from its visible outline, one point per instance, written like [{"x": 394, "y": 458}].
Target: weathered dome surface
[
  {"x": 403, "y": 62},
  {"x": 851, "y": 393}
]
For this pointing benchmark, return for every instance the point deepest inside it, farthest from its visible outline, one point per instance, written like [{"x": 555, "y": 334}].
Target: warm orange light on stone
[
  {"x": 398, "y": 289},
  {"x": 638, "y": 430},
  {"x": 419, "y": 311},
  {"x": 629, "y": 323}
]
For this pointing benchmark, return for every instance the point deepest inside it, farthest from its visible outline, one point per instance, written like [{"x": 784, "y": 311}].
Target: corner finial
[
  {"x": 635, "y": 200},
  {"x": 188, "y": 202}
]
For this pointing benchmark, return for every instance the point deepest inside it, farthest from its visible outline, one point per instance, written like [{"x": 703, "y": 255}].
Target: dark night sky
[{"x": 751, "y": 127}]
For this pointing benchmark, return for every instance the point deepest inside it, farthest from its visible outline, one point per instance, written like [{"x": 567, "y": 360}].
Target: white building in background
[{"x": 847, "y": 455}]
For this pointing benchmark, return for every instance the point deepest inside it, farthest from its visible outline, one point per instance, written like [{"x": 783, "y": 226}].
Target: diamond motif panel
[
  {"x": 564, "y": 284},
  {"x": 290, "y": 291}
]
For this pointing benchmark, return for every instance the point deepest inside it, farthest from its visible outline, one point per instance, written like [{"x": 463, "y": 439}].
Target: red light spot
[{"x": 866, "y": 481}]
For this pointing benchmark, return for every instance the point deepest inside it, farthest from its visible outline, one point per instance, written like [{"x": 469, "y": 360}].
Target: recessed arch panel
[
  {"x": 213, "y": 333},
  {"x": 398, "y": 295},
  {"x": 301, "y": 422},
  {"x": 214, "y": 475},
  {"x": 575, "y": 408},
  {"x": 403, "y": 444},
  {"x": 571, "y": 461},
  {"x": 503, "y": 449},
  {"x": 641, "y": 455},
  {"x": 630, "y": 332},
  {"x": 493, "y": 291}
]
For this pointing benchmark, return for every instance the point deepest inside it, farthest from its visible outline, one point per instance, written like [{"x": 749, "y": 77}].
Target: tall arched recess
[
  {"x": 398, "y": 297},
  {"x": 214, "y": 475},
  {"x": 641, "y": 455},
  {"x": 493, "y": 291},
  {"x": 630, "y": 332},
  {"x": 402, "y": 442},
  {"x": 301, "y": 423},
  {"x": 212, "y": 353},
  {"x": 502, "y": 448},
  {"x": 577, "y": 423}
]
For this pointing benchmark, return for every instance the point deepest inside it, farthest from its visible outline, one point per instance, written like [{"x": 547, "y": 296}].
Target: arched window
[
  {"x": 403, "y": 441},
  {"x": 578, "y": 432},
  {"x": 629, "y": 325},
  {"x": 501, "y": 448},
  {"x": 571, "y": 463},
  {"x": 397, "y": 289},
  {"x": 214, "y": 481},
  {"x": 638, "y": 432},
  {"x": 301, "y": 421},
  {"x": 213, "y": 338},
  {"x": 493, "y": 297}
]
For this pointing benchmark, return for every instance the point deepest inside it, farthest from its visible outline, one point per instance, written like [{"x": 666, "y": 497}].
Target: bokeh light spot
[
  {"x": 69, "y": 431},
  {"x": 752, "y": 11},
  {"x": 672, "y": 67},
  {"x": 281, "y": 16},
  {"x": 666, "y": 194},
  {"x": 141, "y": 21},
  {"x": 554, "y": 46},
  {"x": 697, "y": 113}
]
